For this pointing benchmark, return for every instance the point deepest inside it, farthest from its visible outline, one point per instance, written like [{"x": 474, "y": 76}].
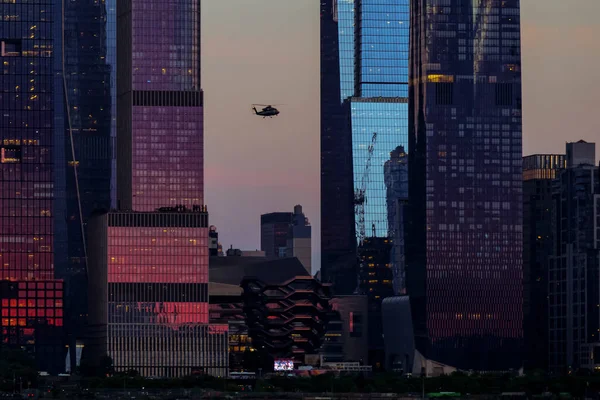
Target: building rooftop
[{"x": 231, "y": 270}]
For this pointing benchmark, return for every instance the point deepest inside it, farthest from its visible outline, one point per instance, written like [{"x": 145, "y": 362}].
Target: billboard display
[{"x": 284, "y": 364}]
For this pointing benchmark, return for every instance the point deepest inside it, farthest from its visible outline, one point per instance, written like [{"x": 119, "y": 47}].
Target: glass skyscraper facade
[
  {"x": 31, "y": 309},
  {"x": 343, "y": 14},
  {"x": 88, "y": 88},
  {"x": 111, "y": 60},
  {"x": 160, "y": 141},
  {"x": 88, "y": 78},
  {"x": 364, "y": 119},
  {"x": 379, "y": 126},
  {"x": 464, "y": 249},
  {"x": 381, "y": 48},
  {"x": 388, "y": 119},
  {"x": 369, "y": 41}
]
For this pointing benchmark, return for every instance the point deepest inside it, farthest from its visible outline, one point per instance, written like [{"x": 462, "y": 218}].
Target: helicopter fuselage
[{"x": 266, "y": 112}]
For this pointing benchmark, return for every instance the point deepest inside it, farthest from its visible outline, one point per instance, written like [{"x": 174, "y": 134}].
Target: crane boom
[{"x": 360, "y": 193}]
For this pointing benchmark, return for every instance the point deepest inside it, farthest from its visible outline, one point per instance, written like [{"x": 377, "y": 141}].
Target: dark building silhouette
[
  {"x": 338, "y": 241},
  {"x": 573, "y": 291},
  {"x": 274, "y": 229},
  {"x": 213, "y": 241},
  {"x": 396, "y": 182},
  {"x": 539, "y": 172},
  {"x": 464, "y": 241},
  {"x": 332, "y": 349},
  {"x": 376, "y": 283},
  {"x": 287, "y": 234},
  {"x": 227, "y": 306},
  {"x": 347, "y": 331},
  {"x": 88, "y": 76},
  {"x": 398, "y": 334}
]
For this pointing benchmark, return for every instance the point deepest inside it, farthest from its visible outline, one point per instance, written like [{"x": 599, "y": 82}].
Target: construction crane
[{"x": 360, "y": 192}]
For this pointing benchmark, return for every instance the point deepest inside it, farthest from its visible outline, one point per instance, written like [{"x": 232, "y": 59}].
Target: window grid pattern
[
  {"x": 158, "y": 351},
  {"x": 158, "y": 261},
  {"x": 35, "y": 302},
  {"x": 389, "y": 119},
  {"x": 543, "y": 166},
  {"x": 573, "y": 290},
  {"x": 346, "y": 38},
  {"x": 167, "y": 157},
  {"x": 470, "y": 185},
  {"x": 381, "y": 92},
  {"x": 157, "y": 254},
  {"x": 111, "y": 60},
  {"x": 26, "y": 142},
  {"x": 31, "y": 317},
  {"x": 383, "y": 32},
  {"x": 165, "y": 45},
  {"x": 157, "y": 290},
  {"x": 28, "y": 317}
]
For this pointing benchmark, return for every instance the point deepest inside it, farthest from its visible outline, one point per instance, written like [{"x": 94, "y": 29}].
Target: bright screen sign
[{"x": 284, "y": 365}]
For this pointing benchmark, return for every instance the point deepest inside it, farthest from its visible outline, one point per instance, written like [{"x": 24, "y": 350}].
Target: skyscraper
[
  {"x": 274, "y": 229},
  {"x": 31, "y": 182},
  {"x": 539, "y": 172},
  {"x": 299, "y": 239},
  {"x": 88, "y": 122},
  {"x": 464, "y": 255},
  {"x": 369, "y": 41},
  {"x": 396, "y": 182},
  {"x": 89, "y": 118},
  {"x": 375, "y": 283},
  {"x": 574, "y": 269},
  {"x": 160, "y": 121},
  {"x": 364, "y": 95},
  {"x": 149, "y": 260},
  {"x": 338, "y": 241}
]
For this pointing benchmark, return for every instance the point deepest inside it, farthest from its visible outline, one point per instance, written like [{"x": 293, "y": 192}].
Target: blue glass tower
[
  {"x": 381, "y": 48},
  {"x": 364, "y": 106},
  {"x": 369, "y": 101},
  {"x": 379, "y": 123}
]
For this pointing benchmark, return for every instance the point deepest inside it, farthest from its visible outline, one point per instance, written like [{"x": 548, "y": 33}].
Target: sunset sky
[{"x": 267, "y": 51}]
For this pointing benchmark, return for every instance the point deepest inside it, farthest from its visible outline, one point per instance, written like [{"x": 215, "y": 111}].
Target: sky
[{"x": 267, "y": 51}]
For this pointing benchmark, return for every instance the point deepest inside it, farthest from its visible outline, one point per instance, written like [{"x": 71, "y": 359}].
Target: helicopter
[{"x": 267, "y": 111}]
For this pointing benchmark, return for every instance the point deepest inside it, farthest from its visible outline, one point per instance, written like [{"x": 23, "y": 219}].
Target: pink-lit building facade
[
  {"x": 149, "y": 260},
  {"x": 149, "y": 294}
]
